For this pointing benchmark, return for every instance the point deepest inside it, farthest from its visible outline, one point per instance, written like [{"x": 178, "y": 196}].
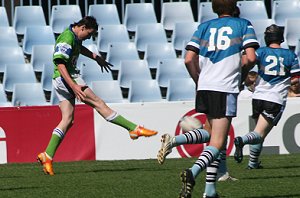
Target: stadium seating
[
  {"x": 182, "y": 32},
  {"x": 28, "y": 94},
  {"x": 260, "y": 27},
  {"x": 181, "y": 90},
  {"x": 17, "y": 73},
  {"x": 88, "y": 42},
  {"x": 158, "y": 51},
  {"x": 253, "y": 10},
  {"x": 297, "y": 49},
  {"x": 174, "y": 12},
  {"x": 37, "y": 35},
  {"x": 292, "y": 31},
  {"x": 111, "y": 33},
  {"x": 133, "y": 70},
  {"x": 285, "y": 45},
  {"x": 41, "y": 54},
  {"x": 118, "y": 52},
  {"x": 64, "y": 15},
  {"x": 46, "y": 78},
  {"x": 149, "y": 33},
  {"x": 28, "y": 16},
  {"x": 90, "y": 71},
  {"x": 205, "y": 12},
  {"x": 144, "y": 91},
  {"x": 283, "y": 10},
  {"x": 108, "y": 91},
  {"x": 105, "y": 14},
  {"x": 156, "y": 54},
  {"x": 10, "y": 55},
  {"x": 83, "y": 58},
  {"x": 8, "y": 37},
  {"x": 138, "y": 13},
  {"x": 3, "y": 98},
  {"x": 3, "y": 17},
  {"x": 170, "y": 69},
  {"x": 183, "y": 52}
]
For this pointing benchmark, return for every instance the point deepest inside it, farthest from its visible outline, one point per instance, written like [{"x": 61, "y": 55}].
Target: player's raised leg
[
  {"x": 239, "y": 142},
  {"x": 196, "y": 136},
  {"x": 135, "y": 131}
]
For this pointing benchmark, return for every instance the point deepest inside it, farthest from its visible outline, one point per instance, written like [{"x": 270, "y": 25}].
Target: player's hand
[
  {"x": 103, "y": 64},
  {"x": 80, "y": 95}
]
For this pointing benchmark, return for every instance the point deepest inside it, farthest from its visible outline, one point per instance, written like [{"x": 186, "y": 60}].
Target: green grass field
[{"x": 147, "y": 179}]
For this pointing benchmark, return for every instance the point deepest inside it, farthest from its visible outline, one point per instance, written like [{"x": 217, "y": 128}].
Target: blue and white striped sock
[
  {"x": 252, "y": 138},
  {"x": 196, "y": 136},
  {"x": 255, "y": 151},
  {"x": 209, "y": 155},
  {"x": 211, "y": 177}
]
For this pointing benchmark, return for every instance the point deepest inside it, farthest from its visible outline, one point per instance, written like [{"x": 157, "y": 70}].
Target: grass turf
[{"x": 280, "y": 177}]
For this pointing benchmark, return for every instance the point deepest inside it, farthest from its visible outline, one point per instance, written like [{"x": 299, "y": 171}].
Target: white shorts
[{"x": 62, "y": 89}]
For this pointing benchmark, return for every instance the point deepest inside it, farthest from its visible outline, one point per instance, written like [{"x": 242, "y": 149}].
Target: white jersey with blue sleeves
[
  {"x": 276, "y": 67},
  {"x": 219, "y": 43}
]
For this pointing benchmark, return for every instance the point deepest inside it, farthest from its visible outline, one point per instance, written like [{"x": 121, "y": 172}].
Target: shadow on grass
[
  {"x": 273, "y": 177},
  {"x": 276, "y": 196},
  {"x": 9, "y": 177},
  {"x": 18, "y": 188},
  {"x": 283, "y": 167},
  {"x": 115, "y": 170}
]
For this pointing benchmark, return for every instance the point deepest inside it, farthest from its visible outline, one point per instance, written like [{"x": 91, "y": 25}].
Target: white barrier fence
[
  {"x": 92, "y": 138},
  {"x": 113, "y": 142}
]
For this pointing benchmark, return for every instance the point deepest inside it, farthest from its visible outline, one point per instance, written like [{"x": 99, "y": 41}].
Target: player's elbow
[
  {"x": 189, "y": 58},
  {"x": 251, "y": 56},
  {"x": 187, "y": 61}
]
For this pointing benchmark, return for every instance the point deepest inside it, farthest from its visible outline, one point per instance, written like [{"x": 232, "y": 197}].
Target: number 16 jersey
[{"x": 219, "y": 43}]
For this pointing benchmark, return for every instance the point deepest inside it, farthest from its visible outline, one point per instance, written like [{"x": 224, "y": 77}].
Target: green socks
[
  {"x": 121, "y": 121},
  {"x": 57, "y": 137}
]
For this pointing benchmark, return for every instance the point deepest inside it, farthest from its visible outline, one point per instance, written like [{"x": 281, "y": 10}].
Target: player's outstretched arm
[{"x": 99, "y": 59}]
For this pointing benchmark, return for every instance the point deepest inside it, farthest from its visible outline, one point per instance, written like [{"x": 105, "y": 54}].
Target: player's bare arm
[
  {"x": 99, "y": 59},
  {"x": 248, "y": 62},
  {"x": 192, "y": 65}
]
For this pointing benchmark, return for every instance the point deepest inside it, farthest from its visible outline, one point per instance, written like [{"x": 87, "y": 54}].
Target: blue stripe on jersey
[
  {"x": 63, "y": 49},
  {"x": 223, "y": 37},
  {"x": 276, "y": 64}
]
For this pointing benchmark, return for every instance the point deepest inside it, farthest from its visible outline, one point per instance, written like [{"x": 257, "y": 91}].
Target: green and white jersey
[{"x": 67, "y": 48}]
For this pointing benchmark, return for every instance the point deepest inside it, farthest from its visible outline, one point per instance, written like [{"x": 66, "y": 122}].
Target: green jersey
[{"x": 67, "y": 48}]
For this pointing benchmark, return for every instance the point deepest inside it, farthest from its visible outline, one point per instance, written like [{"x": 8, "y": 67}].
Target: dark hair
[
  {"x": 274, "y": 34},
  {"x": 224, "y": 7},
  {"x": 89, "y": 21},
  {"x": 236, "y": 12}
]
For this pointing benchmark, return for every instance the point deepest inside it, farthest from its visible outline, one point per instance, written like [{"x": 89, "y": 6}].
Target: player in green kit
[{"x": 70, "y": 86}]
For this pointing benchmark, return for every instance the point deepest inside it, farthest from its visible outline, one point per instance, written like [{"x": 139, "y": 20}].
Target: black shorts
[
  {"x": 216, "y": 104},
  {"x": 271, "y": 111}
]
